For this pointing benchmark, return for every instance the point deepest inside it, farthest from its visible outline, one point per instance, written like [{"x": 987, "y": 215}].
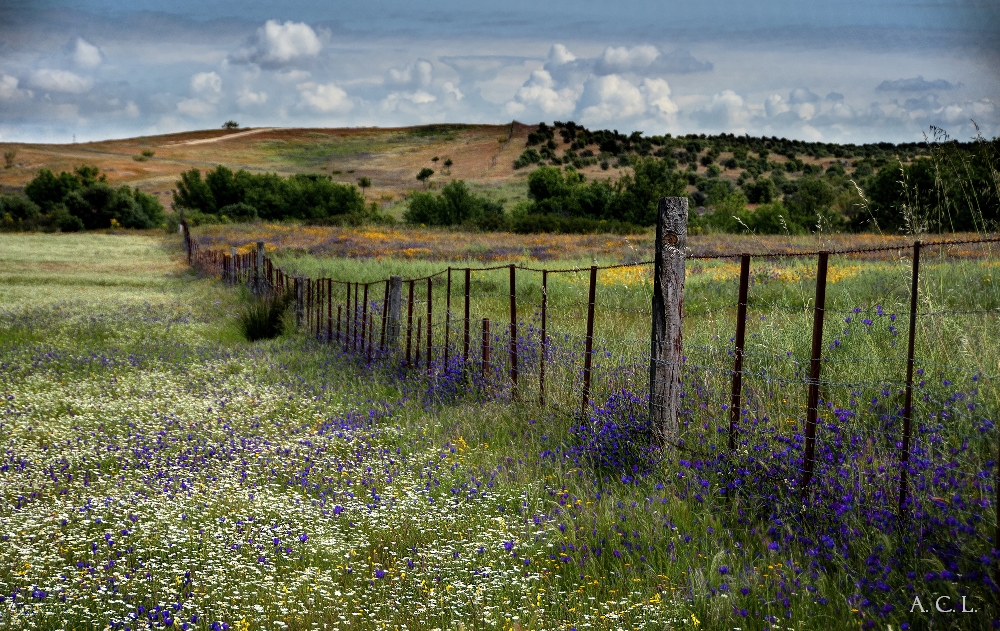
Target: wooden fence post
[
  {"x": 904, "y": 455},
  {"x": 541, "y": 367},
  {"x": 666, "y": 346},
  {"x": 465, "y": 347},
  {"x": 486, "y": 348},
  {"x": 815, "y": 363},
  {"x": 589, "y": 342},
  {"x": 513, "y": 335},
  {"x": 329, "y": 310},
  {"x": 395, "y": 309},
  {"x": 232, "y": 266},
  {"x": 736, "y": 401}
]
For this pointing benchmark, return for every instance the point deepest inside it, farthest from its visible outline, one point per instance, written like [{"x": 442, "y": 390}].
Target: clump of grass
[{"x": 262, "y": 317}]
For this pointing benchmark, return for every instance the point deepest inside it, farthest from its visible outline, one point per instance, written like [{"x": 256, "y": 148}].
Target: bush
[
  {"x": 262, "y": 317},
  {"x": 455, "y": 205},
  {"x": 309, "y": 197}
]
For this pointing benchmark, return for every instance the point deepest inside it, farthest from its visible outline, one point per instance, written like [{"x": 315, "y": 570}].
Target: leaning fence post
[
  {"x": 904, "y": 455},
  {"x": 589, "y": 349},
  {"x": 395, "y": 309},
  {"x": 299, "y": 297},
  {"x": 668, "y": 303},
  {"x": 465, "y": 348},
  {"x": 513, "y": 334},
  {"x": 815, "y": 362},
  {"x": 736, "y": 402},
  {"x": 541, "y": 367}
]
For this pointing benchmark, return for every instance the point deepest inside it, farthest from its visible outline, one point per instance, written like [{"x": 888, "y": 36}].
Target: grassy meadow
[{"x": 158, "y": 471}]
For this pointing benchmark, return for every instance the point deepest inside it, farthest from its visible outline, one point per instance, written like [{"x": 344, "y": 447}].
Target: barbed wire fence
[{"x": 882, "y": 407}]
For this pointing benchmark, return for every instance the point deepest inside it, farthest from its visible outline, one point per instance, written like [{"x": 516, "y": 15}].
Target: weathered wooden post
[
  {"x": 668, "y": 303},
  {"x": 232, "y": 265},
  {"x": 486, "y": 350},
  {"x": 395, "y": 307}
]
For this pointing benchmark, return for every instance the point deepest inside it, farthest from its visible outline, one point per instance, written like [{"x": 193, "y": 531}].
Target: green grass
[{"x": 142, "y": 387}]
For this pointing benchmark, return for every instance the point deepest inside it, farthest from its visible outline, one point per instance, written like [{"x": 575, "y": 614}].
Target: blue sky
[{"x": 840, "y": 70}]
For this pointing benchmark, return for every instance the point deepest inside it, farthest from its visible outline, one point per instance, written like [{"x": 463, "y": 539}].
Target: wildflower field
[{"x": 158, "y": 471}]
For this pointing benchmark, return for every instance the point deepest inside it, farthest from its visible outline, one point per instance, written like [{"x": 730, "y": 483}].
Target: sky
[{"x": 837, "y": 71}]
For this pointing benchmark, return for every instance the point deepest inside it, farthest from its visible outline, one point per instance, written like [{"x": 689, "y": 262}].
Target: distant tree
[
  {"x": 8, "y": 158},
  {"x": 363, "y": 183},
  {"x": 424, "y": 174},
  {"x": 230, "y": 125},
  {"x": 435, "y": 159},
  {"x": 447, "y": 164}
]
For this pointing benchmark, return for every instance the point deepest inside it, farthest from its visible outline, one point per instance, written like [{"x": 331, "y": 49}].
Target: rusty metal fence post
[
  {"x": 815, "y": 363},
  {"x": 736, "y": 401},
  {"x": 541, "y": 366},
  {"x": 904, "y": 454}
]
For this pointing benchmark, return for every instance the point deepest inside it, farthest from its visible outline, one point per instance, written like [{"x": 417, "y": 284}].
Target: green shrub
[{"x": 262, "y": 317}]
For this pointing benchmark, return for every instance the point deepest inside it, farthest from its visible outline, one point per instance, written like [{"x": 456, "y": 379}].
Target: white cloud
[
  {"x": 450, "y": 88},
  {"x": 621, "y": 59},
  {"x": 207, "y": 85},
  {"x": 86, "y": 55},
  {"x": 418, "y": 74},
  {"x": 196, "y": 108},
  {"x": 131, "y": 110},
  {"x": 539, "y": 92},
  {"x": 247, "y": 98},
  {"x": 559, "y": 55},
  {"x": 775, "y": 105},
  {"x": 727, "y": 111},
  {"x": 657, "y": 93},
  {"x": 326, "y": 98},
  {"x": 277, "y": 44},
  {"x": 60, "y": 81},
  {"x": 610, "y": 98},
  {"x": 9, "y": 90}
]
